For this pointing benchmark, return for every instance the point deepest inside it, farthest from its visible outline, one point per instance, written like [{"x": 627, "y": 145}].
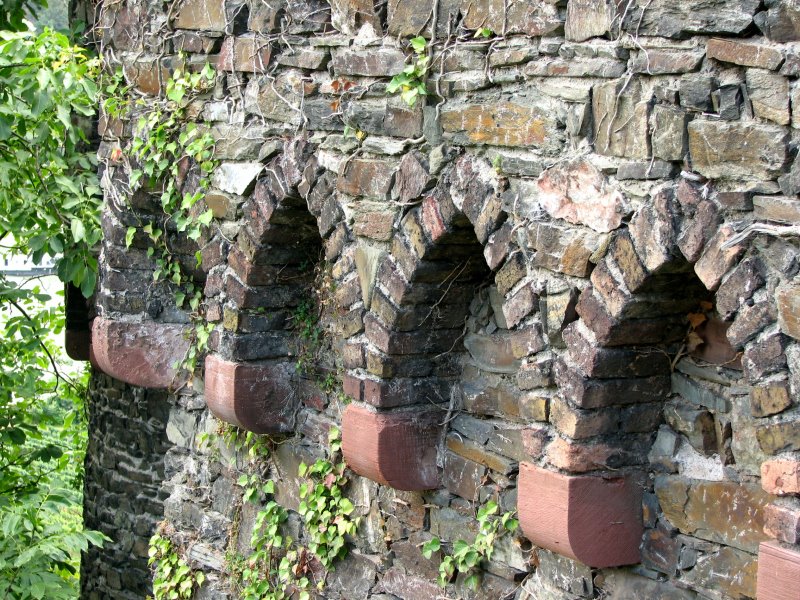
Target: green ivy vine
[
  {"x": 173, "y": 578},
  {"x": 466, "y": 557},
  {"x": 161, "y": 147}
]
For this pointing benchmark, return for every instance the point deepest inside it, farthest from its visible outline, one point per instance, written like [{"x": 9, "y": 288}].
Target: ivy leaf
[{"x": 418, "y": 44}]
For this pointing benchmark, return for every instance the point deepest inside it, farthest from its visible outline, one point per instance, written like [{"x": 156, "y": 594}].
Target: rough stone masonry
[{"x": 565, "y": 279}]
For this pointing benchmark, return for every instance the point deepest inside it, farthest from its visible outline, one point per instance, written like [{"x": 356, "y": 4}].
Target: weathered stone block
[
  {"x": 621, "y": 119},
  {"x": 724, "y": 512},
  {"x": 375, "y": 62},
  {"x": 597, "y": 393},
  {"x": 788, "y": 300},
  {"x": 143, "y": 354},
  {"x": 247, "y": 53},
  {"x": 721, "y": 149},
  {"x": 371, "y": 178},
  {"x": 748, "y": 54},
  {"x": 533, "y": 18},
  {"x": 675, "y": 19},
  {"x": 590, "y": 18},
  {"x": 503, "y": 124},
  {"x": 563, "y": 249},
  {"x": 781, "y": 477},
  {"x": 394, "y": 449},
  {"x": 669, "y": 138},
  {"x": 767, "y": 400},
  {"x": 769, "y": 95},
  {"x": 579, "y": 193},
  {"x": 782, "y": 522},
  {"x": 781, "y": 22},
  {"x": 593, "y": 520},
  {"x": 202, "y": 15}
]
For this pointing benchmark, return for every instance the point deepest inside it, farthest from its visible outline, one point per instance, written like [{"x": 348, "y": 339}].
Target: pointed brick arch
[
  {"x": 672, "y": 256},
  {"x": 414, "y": 329},
  {"x": 250, "y": 379}
]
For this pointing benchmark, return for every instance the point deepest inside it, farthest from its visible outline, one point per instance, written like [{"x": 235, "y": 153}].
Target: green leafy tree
[
  {"x": 49, "y": 206},
  {"x": 49, "y": 193}
]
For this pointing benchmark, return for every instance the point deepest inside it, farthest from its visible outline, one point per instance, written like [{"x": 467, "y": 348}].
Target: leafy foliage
[
  {"x": 174, "y": 579},
  {"x": 279, "y": 568},
  {"x": 42, "y": 439},
  {"x": 49, "y": 194},
  {"x": 466, "y": 557},
  {"x": 411, "y": 80},
  {"x": 49, "y": 206},
  {"x": 324, "y": 508},
  {"x": 162, "y": 146}
]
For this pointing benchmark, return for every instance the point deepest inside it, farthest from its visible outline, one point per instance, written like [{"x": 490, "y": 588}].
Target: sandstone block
[
  {"x": 366, "y": 177},
  {"x": 778, "y": 572},
  {"x": 142, "y": 354},
  {"x": 593, "y": 520},
  {"x": 255, "y": 397},
  {"x": 717, "y": 260},
  {"x": 394, "y": 449}
]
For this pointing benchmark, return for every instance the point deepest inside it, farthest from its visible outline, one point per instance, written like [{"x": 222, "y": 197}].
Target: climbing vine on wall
[
  {"x": 280, "y": 567},
  {"x": 162, "y": 153}
]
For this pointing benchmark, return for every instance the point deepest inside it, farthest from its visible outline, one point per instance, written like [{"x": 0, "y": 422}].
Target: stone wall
[{"x": 565, "y": 280}]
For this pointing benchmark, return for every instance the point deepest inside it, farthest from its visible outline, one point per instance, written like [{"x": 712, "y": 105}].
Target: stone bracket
[
  {"x": 141, "y": 354},
  {"x": 778, "y": 572},
  {"x": 397, "y": 449},
  {"x": 255, "y": 397},
  {"x": 593, "y": 520}
]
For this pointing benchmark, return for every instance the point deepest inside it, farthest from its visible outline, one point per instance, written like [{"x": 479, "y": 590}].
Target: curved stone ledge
[
  {"x": 593, "y": 520},
  {"x": 255, "y": 397},
  {"x": 141, "y": 354},
  {"x": 77, "y": 343},
  {"x": 778, "y": 572},
  {"x": 394, "y": 449}
]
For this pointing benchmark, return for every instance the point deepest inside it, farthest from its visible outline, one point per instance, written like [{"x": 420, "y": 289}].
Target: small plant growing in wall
[
  {"x": 410, "y": 82},
  {"x": 173, "y": 578},
  {"x": 324, "y": 508},
  {"x": 466, "y": 557}
]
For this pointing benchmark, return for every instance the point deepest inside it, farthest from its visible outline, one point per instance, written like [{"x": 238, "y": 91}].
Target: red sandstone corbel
[
  {"x": 255, "y": 397},
  {"x": 141, "y": 354},
  {"x": 397, "y": 449},
  {"x": 593, "y": 520},
  {"x": 778, "y": 572}
]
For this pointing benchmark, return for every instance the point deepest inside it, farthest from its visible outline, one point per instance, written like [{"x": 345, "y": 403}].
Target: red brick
[
  {"x": 594, "y": 520},
  {"x": 394, "y": 449}
]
